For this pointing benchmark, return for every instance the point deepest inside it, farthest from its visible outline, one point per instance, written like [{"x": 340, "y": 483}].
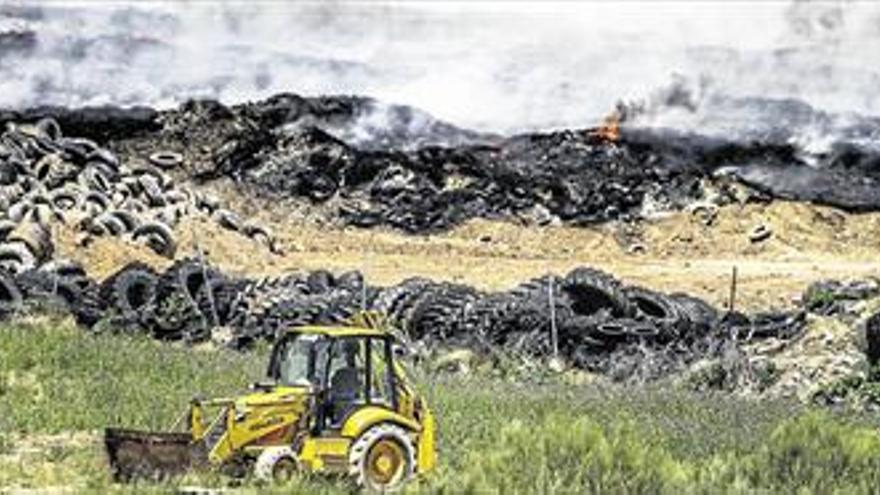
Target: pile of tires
[
  {"x": 54, "y": 286},
  {"x": 594, "y": 315},
  {"x": 601, "y": 324},
  {"x": 270, "y": 305},
  {"x": 47, "y": 178}
]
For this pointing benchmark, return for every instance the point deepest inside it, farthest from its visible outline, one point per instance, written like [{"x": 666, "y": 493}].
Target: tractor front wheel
[
  {"x": 276, "y": 464},
  {"x": 383, "y": 458}
]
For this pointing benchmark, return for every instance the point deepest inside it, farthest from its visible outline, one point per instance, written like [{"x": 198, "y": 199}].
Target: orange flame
[{"x": 610, "y": 128}]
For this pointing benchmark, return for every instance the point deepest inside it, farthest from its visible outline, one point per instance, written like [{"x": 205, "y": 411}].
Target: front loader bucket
[{"x": 151, "y": 455}]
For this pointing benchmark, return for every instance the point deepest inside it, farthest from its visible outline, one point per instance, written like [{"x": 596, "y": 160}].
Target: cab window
[
  {"x": 346, "y": 376},
  {"x": 380, "y": 372},
  {"x": 300, "y": 361}
]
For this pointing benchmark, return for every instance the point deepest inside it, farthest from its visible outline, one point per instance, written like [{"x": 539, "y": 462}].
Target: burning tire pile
[
  {"x": 597, "y": 318},
  {"x": 418, "y": 174},
  {"x": 439, "y": 177}
]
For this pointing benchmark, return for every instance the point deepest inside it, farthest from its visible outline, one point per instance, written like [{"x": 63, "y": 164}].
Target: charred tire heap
[
  {"x": 296, "y": 147},
  {"x": 419, "y": 174},
  {"x": 47, "y": 178}
]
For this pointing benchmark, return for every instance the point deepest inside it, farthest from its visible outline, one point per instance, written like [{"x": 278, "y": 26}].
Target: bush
[
  {"x": 561, "y": 454},
  {"x": 813, "y": 453},
  {"x": 818, "y": 454}
]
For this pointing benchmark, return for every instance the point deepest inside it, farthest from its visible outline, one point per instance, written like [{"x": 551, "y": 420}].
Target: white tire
[
  {"x": 276, "y": 464},
  {"x": 382, "y": 459}
]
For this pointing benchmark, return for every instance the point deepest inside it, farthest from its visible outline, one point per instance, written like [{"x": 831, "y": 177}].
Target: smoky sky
[{"x": 492, "y": 66}]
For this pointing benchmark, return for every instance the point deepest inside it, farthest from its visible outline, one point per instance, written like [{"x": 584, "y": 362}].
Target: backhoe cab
[{"x": 335, "y": 400}]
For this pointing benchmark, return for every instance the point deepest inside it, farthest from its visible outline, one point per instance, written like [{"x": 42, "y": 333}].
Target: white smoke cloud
[{"x": 496, "y": 66}]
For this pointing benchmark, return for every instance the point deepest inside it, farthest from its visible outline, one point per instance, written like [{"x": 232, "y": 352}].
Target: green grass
[
  {"x": 56, "y": 378},
  {"x": 60, "y": 386}
]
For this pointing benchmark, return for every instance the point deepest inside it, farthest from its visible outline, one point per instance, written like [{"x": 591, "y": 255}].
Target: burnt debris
[{"x": 375, "y": 164}]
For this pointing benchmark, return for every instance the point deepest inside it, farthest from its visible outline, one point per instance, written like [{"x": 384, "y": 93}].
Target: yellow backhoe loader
[{"x": 335, "y": 400}]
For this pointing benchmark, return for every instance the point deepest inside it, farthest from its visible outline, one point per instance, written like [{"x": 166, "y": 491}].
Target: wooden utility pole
[
  {"x": 215, "y": 317},
  {"x": 554, "y": 336},
  {"x": 732, "y": 303}
]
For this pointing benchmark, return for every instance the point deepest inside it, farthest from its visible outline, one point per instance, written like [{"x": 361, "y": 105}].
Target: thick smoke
[{"x": 754, "y": 68}]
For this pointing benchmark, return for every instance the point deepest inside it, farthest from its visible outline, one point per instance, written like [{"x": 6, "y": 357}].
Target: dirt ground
[{"x": 675, "y": 252}]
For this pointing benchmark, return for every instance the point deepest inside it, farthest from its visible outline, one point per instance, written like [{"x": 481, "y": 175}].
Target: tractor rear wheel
[{"x": 382, "y": 459}]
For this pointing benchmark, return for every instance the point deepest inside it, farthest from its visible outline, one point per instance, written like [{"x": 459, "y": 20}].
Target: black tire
[
  {"x": 444, "y": 315},
  {"x": 257, "y": 233},
  {"x": 153, "y": 190},
  {"x": 158, "y": 237},
  {"x": 64, "y": 199},
  {"x": 126, "y": 218},
  {"x": 83, "y": 299},
  {"x": 79, "y": 149},
  {"x": 872, "y": 338},
  {"x": 615, "y": 330},
  {"x": 188, "y": 300},
  {"x": 106, "y": 224},
  {"x": 37, "y": 284},
  {"x": 10, "y": 295},
  {"x": 130, "y": 292},
  {"x": 6, "y": 227},
  {"x": 485, "y": 319},
  {"x": 580, "y": 331},
  {"x": 133, "y": 206},
  {"x": 95, "y": 201},
  {"x": 388, "y": 298},
  {"x": 320, "y": 282},
  {"x": 76, "y": 294},
  {"x": 352, "y": 281},
  {"x": 411, "y": 289},
  {"x": 37, "y": 237},
  {"x": 16, "y": 257},
  {"x": 166, "y": 159},
  {"x": 206, "y": 203},
  {"x": 65, "y": 268},
  {"x": 226, "y": 295},
  {"x": 228, "y": 220},
  {"x": 591, "y": 291},
  {"x": 188, "y": 276},
  {"x": 783, "y": 325},
  {"x": 17, "y": 211},
  {"x": 177, "y": 318},
  {"x": 77, "y": 290},
  {"x": 701, "y": 316},
  {"x": 49, "y": 128},
  {"x": 657, "y": 310},
  {"x": 44, "y": 214},
  {"x": 539, "y": 288},
  {"x": 519, "y": 318}
]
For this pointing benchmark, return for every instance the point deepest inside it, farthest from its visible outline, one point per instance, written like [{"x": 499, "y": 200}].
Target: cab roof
[{"x": 340, "y": 331}]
